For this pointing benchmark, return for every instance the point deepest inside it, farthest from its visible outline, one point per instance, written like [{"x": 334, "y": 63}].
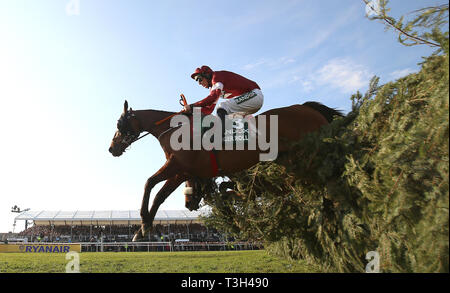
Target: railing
[{"x": 167, "y": 246}]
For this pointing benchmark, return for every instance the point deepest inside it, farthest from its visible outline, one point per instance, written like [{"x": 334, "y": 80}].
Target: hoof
[
  {"x": 138, "y": 236},
  {"x": 142, "y": 233}
]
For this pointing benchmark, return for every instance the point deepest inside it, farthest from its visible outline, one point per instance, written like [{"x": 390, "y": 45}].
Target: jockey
[{"x": 241, "y": 94}]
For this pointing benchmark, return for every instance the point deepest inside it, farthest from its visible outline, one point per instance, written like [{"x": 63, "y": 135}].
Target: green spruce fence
[{"x": 374, "y": 180}]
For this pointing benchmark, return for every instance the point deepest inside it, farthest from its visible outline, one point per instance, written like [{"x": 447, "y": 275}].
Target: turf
[{"x": 256, "y": 261}]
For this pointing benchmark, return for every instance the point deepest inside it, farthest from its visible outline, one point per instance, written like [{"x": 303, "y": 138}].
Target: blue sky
[{"x": 64, "y": 78}]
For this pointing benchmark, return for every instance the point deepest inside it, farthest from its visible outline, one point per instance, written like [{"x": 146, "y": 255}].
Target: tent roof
[{"x": 108, "y": 216}]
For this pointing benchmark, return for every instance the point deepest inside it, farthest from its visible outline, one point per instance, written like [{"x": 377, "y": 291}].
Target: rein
[
  {"x": 159, "y": 136},
  {"x": 140, "y": 137},
  {"x": 183, "y": 102},
  {"x": 165, "y": 131}
]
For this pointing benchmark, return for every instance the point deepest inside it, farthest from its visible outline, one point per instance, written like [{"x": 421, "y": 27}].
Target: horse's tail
[{"x": 327, "y": 112}]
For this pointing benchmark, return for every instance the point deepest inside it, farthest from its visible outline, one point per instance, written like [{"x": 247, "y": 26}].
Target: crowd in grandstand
[{"x": 119, "y": 233}]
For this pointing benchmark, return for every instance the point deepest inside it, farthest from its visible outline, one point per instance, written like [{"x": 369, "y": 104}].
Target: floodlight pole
[{"x": 16, "y": 209}]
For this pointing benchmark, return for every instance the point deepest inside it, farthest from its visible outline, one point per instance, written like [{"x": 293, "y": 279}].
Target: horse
[{"x": 188, "y": 165}]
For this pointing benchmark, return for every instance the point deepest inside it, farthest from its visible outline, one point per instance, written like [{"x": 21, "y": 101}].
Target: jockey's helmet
[{"x": 203, "y": 71}]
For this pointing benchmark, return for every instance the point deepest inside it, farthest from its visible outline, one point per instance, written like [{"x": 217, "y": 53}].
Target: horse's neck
[{"x": 148, "y": 119}]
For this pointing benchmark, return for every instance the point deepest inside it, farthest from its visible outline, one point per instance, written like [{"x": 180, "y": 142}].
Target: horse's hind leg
[
  {"x": 147, "y": 221},
  {"x": 226, "y": 185}
]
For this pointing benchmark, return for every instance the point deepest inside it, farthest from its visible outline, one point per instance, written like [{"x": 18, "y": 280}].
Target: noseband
[
  {"x": 123, "y": 125},
  {"x": 131, "y": 136}
]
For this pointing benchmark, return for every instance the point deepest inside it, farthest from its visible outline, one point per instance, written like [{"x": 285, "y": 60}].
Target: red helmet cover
[{"x": 204, "y": 70}]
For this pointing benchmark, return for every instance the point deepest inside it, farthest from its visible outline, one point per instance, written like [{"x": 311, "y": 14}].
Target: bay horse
[{"x": 183, "y": 165}]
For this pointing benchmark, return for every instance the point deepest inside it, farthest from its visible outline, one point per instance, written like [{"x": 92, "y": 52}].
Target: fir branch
[{"x": 391, "y": 23}]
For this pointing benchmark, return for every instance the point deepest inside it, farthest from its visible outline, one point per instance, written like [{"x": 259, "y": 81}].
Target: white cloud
[
  {"x": 260, "y": 14},
  {"x": 286, "y": 60},
  {"x": 343, "y": 74},
  {"x": 401, "y": 73},
  {"x": 324, "y": 33},
  {"x": 252, "y": 66},
  {"x": 307, "y": 85},
  {"x": 270, "y": 63}
]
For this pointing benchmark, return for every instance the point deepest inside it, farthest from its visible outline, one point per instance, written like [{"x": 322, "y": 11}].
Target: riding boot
[{"x": 222, "y": 113}]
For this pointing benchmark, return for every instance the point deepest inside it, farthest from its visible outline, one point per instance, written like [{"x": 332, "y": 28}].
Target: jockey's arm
[
  {"x": 210, "y": 99},
  {"x": 208, "y": 103},
  {"x": 214, "y": 95}
]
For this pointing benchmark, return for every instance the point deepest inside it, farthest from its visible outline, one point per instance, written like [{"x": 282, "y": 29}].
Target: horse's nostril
[{"x": 110, "y": 149}]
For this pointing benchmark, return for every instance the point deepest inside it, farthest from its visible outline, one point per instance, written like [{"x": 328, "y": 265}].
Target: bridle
[
  {"x": 123, "y": 127},
  {"x": 131, "y": 136}
]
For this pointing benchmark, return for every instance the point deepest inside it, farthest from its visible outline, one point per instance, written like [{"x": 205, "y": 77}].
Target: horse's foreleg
[
  {"x": 165, "y": 172},
  {"x": 169, "y": 187}
]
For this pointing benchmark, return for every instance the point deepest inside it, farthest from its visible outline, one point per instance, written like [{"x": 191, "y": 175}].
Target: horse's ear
[{"x": 125, "y": 106}]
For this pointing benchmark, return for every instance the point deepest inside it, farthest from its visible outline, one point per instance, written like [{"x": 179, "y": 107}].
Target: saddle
[
  {"x": 239, "y": 134},
  {"x": 241, "y": 125}
]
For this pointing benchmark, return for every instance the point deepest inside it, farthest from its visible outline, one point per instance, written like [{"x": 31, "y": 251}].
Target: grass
[{"x": 250, "y": 261}]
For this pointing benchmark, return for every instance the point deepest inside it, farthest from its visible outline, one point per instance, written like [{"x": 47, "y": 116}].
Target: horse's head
[
  {"x": 127, "y": 131},
  {"x": 193, "y": 195}
]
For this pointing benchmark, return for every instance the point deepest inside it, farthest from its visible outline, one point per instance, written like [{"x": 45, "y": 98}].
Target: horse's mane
[
  {"x": 327, "y": 112},
  {"x": 156, "y": 111}
]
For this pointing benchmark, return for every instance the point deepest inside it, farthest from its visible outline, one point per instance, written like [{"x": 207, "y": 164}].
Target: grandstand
[
  {"x": 131, "y": 217},
  {"x": 113, "y": 226}
]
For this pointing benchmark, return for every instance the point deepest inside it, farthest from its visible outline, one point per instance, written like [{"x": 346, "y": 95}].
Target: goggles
[{"x": 198, "y": 78}]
